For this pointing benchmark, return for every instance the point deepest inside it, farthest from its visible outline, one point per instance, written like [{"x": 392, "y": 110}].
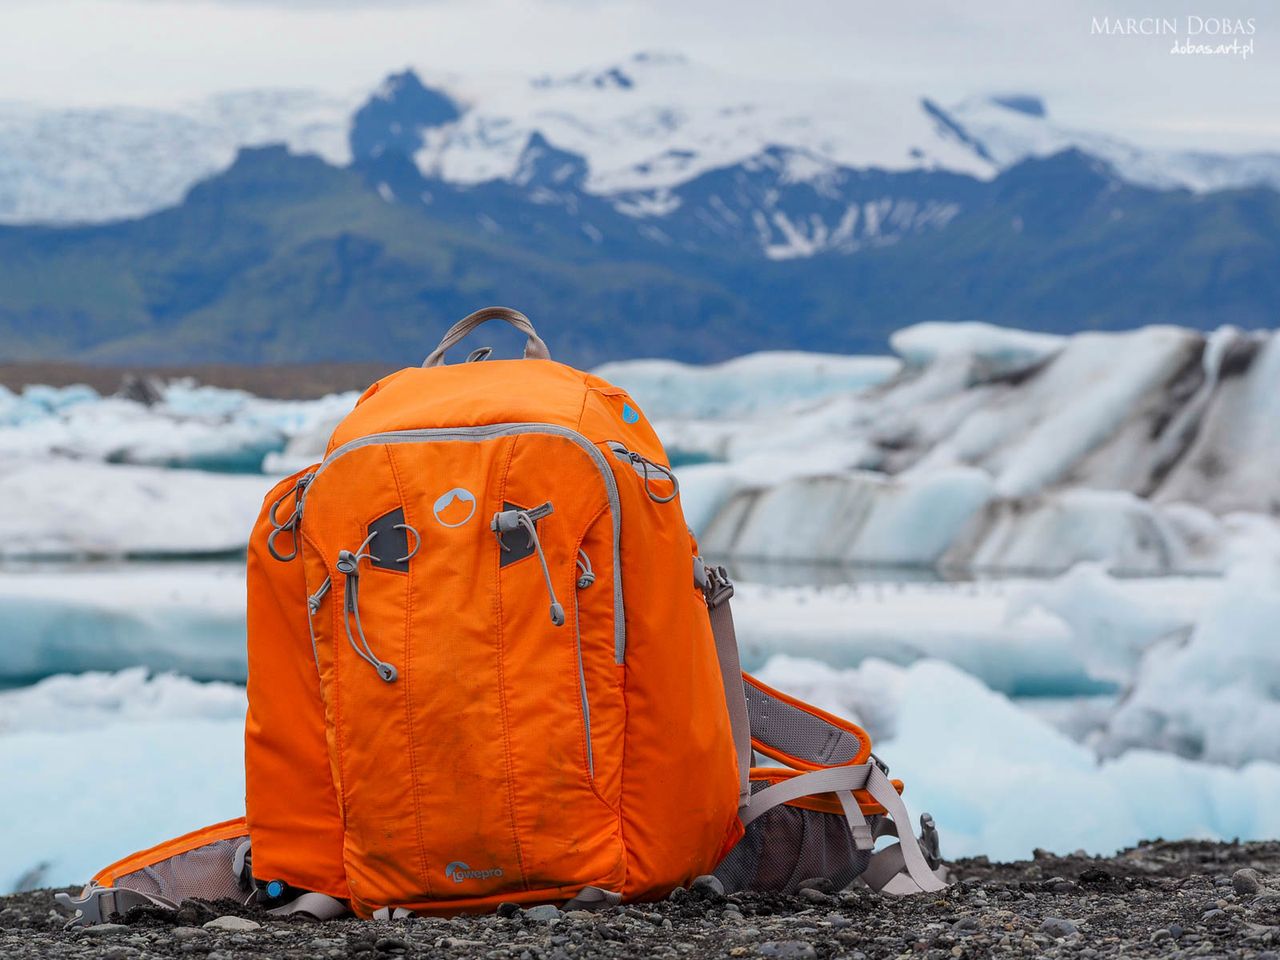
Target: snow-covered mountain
[
  {"x": 643, "y": 128},
  {"x": 1007, "y": 129}
]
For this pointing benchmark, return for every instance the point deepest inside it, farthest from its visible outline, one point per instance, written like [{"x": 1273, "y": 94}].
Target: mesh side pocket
[
  {"x": 205, "y": 873},
  {"x": 794, "y": 731},
  {"x": 789, "y": 845}
]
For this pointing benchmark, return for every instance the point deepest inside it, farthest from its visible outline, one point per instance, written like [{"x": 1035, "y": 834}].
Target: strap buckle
[
  {"x": 99, "y": 904},
  {"x": 929, "y": 844},
  {"x": 718, "y": 587}
]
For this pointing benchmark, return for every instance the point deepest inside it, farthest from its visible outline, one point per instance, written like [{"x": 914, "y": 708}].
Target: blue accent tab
[
  {"x": 630, "y": 414},
  {"x": 275, "y": 888}
]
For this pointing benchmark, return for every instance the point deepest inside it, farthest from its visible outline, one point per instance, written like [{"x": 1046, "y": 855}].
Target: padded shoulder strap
[
  {"x": 835, "y": 753},
  {"x": 717, "y": 588}
]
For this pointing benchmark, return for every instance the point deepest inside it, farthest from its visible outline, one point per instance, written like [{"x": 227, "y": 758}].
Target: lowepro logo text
[{"x": 459, "y": 871}]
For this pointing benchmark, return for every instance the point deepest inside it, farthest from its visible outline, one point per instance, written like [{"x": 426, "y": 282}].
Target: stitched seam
[
  {"x": 587, "y": 391},
  {"x": 502, "y": 681},
  {"x": 406, "y": 677},
  {"x": 595, "y": 788}
]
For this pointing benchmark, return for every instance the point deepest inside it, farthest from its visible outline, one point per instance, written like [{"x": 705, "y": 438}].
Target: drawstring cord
[
  {"x": 349, "y": 566},
  {"x": 644, "y": 463},
  {"x": 586, "y": 576},
  {"x": 507, "y": 520}
]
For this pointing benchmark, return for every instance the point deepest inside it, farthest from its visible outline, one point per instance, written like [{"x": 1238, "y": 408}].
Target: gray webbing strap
[
  {"x": 918, "y": 877},
  {"x": 734, "y": 696},
  {"x": 534, "y": 349},
  {"x": 98, "y": 904},
  {"x": 827, "y": 780},
  {"x": 317, "y": 905},
  {"x": 392, "y": 913}
]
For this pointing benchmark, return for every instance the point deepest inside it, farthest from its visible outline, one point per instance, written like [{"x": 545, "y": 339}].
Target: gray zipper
[
  {"x": 582, "y": 687},
  {"x": 488, "y": 432},
  {"x": 313, "y": 601}
]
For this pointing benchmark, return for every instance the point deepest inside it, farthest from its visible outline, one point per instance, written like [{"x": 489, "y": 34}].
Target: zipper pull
[
  {"x": 505, "y": 521},
  {"x": 348, "y": 565}
]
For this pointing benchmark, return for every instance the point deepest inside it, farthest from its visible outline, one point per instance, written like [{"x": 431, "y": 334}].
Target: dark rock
[
  {"x": 708, "y": 886},
  {"x": 508, "y": 909}
]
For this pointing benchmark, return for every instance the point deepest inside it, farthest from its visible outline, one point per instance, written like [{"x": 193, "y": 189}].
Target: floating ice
[
  {"x": 759, "y": 382},
  {"x": 1000, "y": 450},
  {"x": 183, "y": 617},
  {"x": 1001, "y": 782},
  {"x": 191, "y": 426},
  {"x": 98, "y": 766},
  {"x": 65, "y": 508}
]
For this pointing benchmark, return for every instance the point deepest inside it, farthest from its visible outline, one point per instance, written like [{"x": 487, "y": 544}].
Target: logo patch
[
  {"x": 459, "y": 871},
  {"x": 629, "y": 413},
  {"x": 454, "y": 507}
]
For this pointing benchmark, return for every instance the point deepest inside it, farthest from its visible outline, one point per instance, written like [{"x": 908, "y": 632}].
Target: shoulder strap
[
  {"x": 835, "y": 754},
  {"x": 717, "y": 588}
]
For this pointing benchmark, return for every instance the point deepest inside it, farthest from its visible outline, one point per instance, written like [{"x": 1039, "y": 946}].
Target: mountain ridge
[{"x": 287, "y": 258}]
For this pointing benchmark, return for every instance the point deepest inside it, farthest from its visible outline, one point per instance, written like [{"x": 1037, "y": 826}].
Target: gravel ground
[{"x": 1159, "y": 900}]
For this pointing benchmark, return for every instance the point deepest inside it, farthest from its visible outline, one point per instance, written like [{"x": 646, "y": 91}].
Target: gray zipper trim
[
  {"x": 313, "y": 600},
  {"x": 582, "y": 687},
  {"x": 489, "y": 432}
]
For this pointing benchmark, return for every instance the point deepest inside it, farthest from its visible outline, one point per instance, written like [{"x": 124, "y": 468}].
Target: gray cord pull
[{"x": 534, "y": 348}]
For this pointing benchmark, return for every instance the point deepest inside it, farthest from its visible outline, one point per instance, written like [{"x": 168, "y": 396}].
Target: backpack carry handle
[{"x": 534, "y": 348}]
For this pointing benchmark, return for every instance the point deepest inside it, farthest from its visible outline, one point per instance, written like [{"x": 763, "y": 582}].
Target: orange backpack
[{"x": 487, "y": 664}]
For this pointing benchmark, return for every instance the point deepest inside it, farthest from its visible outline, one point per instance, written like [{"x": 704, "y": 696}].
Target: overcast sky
[{"x": 91, "y": 52}]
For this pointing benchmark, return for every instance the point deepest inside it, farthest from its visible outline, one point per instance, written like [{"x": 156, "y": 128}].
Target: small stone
[
  {"x": 186, "y": 933},
  {"x": 542, "y": 913},
  {"x": 507, "y": 909},
  {"x": 392, "y": 945},
  {"x": 1246, "y": 882},
  {"x": 814, "y": 896},
  {"x": 237, "y": 924},
  {"x": 707, "y": 885},
  {"x": 793, "y": 949},
  {"x": 105, "y": 929},
  {"x": 1059, "y": 885},
  {"x": 1057, "y": 927},
  {"x": 1216, "y": 913},
  {"x": 1159, "y": 935},
  {"x": 821, "y": 884}
]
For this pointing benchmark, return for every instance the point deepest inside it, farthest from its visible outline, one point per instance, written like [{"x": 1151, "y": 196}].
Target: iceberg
[
  {"x": 754, "y": 383},
  {"x": 1001, "y": 450},
  {"x": 80, "y": 509},
  {"x": 191, "y": 426},
  {"x": 104, "y": 765},
  {"x": 183, "y": 617},
  {"x": 1001, "y": 782}
]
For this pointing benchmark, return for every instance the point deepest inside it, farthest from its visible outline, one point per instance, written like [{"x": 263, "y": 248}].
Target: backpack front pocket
[{"x": 461, "y": 713}]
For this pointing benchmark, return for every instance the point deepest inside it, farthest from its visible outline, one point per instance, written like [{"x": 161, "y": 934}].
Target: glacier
[{"x": 645, "y": 125}]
